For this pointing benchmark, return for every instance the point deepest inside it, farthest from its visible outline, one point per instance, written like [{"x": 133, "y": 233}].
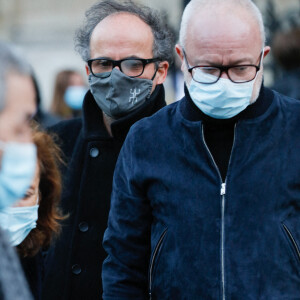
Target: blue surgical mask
[
  {"x": 18, "y": 164},
  {"x": 74, "y": 96},
  {"x": 223, "y": 99},
  {"x": 17, "y": 222}
]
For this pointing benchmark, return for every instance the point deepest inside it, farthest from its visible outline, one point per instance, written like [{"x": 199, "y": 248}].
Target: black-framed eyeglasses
[
  {"x": 132, "y": 67},
  {"x": 211, "y": 74}
]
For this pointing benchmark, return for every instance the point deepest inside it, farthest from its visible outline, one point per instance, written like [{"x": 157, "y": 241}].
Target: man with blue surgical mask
[
  {"x": 206, "y": 195},
  {"x": 17, "y": 157},
  {"x": 127, "y": 49}
]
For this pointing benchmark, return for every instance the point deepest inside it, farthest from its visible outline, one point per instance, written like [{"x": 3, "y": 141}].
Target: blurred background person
[
  {"x": 286, "y": 52},
  {"x": 17, "y": 157},
  {"x": 33, "y": 222},
  {"x": 69, "y": 92}
]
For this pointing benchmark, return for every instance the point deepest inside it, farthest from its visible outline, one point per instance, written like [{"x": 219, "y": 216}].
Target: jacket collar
[
  {"x": 192, "y": 113},
  {"x": 92, "y": 117}
]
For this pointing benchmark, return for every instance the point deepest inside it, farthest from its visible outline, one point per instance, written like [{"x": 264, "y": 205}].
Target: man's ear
[
  {"x": 267, "y": 50},
  {"x": 179, "y": 51},
  {"x": 87, "y": 70},
  {"x": 162, "y": 72}
]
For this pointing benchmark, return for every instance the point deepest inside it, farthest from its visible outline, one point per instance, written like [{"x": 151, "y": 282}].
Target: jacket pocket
[
  {"x": 154, "y": 258},
  {"x": 292, "y": 237}
]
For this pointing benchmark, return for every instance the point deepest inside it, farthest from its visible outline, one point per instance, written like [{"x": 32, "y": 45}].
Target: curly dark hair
[
  {"x": 49, "y": 215},
  {"x": 163, "y": 36}
]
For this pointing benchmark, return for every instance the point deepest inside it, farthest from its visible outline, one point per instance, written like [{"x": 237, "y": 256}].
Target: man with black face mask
[{"x": 127, "y": 49}]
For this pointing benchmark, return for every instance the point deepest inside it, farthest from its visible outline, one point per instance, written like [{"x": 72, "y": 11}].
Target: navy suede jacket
[{"x": 176, "y": 231}]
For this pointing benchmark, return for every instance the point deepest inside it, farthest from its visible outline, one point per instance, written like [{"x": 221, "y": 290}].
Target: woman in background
[
  {"x": 33, "y": 222},
  {"x": 69, "y": 92}
]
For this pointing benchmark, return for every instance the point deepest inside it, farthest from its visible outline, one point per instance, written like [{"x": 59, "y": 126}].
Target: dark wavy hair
[
  {"x": 163, "y": 37},
  {"x": 49, "y": 215}
]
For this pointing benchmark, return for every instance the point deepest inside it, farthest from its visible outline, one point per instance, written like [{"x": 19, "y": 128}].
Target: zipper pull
[{"x": 223, "y": 189}]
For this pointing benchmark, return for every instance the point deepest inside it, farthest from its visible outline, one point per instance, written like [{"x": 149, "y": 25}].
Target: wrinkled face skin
[
  {"x": 124, "y": 35},
  {"x": 31, "y": 196},
  {"x": 20, "y": 106},
  {"x": 226, "y": 36}
]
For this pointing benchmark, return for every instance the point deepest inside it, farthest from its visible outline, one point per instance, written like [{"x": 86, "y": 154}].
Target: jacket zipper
[
  {"x": 292, "y": 240},
  {"x": 153, "y": 259},
  {"x": 222, "y": 193}
]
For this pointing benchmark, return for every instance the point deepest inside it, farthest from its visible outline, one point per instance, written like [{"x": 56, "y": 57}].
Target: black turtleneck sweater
[
  {"x": 219, "y": 133},
  {"x": 219, "y": 139}
]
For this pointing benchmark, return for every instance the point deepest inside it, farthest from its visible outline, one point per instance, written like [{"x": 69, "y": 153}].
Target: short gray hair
[
  {"x": 198, "y": 5},
  {"x": 163, "y": 37},
  {"x": 11, "y": 62}
]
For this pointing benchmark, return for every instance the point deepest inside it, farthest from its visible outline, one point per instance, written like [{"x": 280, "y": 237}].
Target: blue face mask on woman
[
  {"x": 74, "y": 96},
  {"x": 17, "y": 222},
  {"x": 18, "y": 164}
]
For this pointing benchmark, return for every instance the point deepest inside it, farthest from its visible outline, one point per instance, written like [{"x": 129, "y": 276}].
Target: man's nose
[{"x": 224, "y": 74}]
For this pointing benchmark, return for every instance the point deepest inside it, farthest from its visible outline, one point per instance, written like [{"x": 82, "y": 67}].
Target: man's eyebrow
[
  {"x": 243, "y": 61},
  {"x": 208, "y": 62},
  {"x": 127, "y": 57},
  {"x": 103, "y": 57},
  {"x": 133, "y": 56},
  {"x": 203, "y": 62}
]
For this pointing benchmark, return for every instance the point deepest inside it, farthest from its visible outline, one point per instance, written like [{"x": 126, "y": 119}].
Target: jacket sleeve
[{"x": 127, "y": 238}]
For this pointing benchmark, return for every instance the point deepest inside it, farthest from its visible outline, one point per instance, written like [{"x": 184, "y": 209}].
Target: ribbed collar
[
  {"x": 192, "y": 113},
  {"x": 93, "y": 125}
]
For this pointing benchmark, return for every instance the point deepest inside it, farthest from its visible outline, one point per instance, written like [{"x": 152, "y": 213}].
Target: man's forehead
[
  {"x": 127, "y": 21},
  {"x": 121, "y": 35},
  {"x": 221, "y": 22},
  {"x": 228, "y": 31}
]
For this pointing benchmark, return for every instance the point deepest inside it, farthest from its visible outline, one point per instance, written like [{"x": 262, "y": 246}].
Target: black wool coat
[{"x": 73, "y": 265}]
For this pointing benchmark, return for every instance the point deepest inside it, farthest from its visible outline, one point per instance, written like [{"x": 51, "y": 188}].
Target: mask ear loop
[
  {"x": 262, "y": 57},
  {"x": 261, "y": 62},
  {"x": 157, "y": 67}
]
